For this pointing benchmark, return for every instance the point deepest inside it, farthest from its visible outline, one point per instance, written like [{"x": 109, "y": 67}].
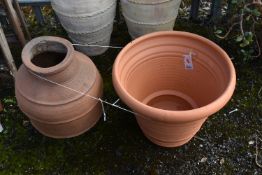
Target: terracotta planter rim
[
  {"x": 184, "y": 115},
  {"x": 27, "y": 55}
]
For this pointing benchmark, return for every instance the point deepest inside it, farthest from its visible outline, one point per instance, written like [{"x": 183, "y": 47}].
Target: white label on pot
[
  {"x": 188, "y": 61},
  {"x": 1, "y": 128}
]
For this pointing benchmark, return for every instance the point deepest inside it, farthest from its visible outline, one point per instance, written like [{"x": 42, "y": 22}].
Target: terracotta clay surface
[
  {"x": 54, "y": 110},
  {"x": 172, "y": 100}
]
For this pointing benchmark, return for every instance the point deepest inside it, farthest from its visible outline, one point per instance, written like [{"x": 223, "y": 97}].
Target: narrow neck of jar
[
  {"x": 51, "y": 58},
  {"x": 63, "y": 75}
]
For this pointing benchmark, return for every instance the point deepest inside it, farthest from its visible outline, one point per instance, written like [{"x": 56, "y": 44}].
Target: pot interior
[
  {"x": 48, "y": 54},
  {"x": 170, "y": 100},
  {"x": 155, "y": 72}
]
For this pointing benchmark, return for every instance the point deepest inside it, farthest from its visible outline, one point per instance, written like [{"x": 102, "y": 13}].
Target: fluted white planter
[
  {"x": 147, "y": 16},
  {"x": 87, "y": 22}
]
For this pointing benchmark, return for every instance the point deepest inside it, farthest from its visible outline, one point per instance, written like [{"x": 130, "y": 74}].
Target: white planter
[
  {"x": 87, "y": 22},
  {"x": 147, "y": 16}
]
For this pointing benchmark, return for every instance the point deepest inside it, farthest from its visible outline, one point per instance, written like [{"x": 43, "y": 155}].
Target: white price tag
[{"x": 188, "y": 61}]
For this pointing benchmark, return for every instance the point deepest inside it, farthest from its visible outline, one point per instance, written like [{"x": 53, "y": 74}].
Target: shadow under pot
[
  {"x": 56, "y": 88},
  {"x": 173, "y": 81}
]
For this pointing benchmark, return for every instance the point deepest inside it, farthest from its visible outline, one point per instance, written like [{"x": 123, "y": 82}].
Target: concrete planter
[
  {"x": 147, "y": 16},
  {"x": 87, "y": 22}
]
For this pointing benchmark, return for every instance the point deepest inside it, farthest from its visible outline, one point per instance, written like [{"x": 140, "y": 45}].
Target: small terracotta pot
[
  {"x": 172, "y": 100},
  {"x": 53, "y": 107}
]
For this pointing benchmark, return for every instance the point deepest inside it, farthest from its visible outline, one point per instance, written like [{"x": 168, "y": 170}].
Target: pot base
[
  {"x": 169, "y": 144},
  {"x": 170, "y": 100},
  {"x": 169, "y": 134}
]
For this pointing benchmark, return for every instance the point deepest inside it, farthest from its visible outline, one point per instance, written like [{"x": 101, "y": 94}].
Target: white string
[
  {"x": 116, "y": 101},
  {"x": 1, "y": 128},
  {"x": 95, "y": 45},
  {"x": 235, "y": 110},
  {"x": 103, "y": 109},
  {"x": 82, "y": 93}
]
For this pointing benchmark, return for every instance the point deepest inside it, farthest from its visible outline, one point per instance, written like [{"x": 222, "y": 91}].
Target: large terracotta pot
[
  {"x": 172, "y": 100},
  {"x": 44, "y": 83}
]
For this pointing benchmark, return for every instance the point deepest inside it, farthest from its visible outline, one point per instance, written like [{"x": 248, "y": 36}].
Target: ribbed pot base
[
  {"x": 175, "y": 143},
  {"x": 168, "y": 134}
]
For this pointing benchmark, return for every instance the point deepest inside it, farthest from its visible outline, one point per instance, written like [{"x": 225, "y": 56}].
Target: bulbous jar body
[{"x": 58, "y": 87}]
